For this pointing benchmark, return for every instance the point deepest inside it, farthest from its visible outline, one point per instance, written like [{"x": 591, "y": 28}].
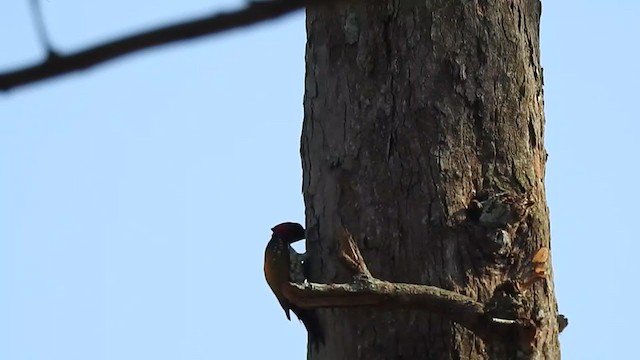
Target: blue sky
[{"x": 136, "y": 198}]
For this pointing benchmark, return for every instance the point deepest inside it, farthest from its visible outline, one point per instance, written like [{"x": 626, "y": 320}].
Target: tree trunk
[{"x": 413, "y": 111}]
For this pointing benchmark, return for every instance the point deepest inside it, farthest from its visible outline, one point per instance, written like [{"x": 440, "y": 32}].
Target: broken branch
[{"x": 350, "y": 254}]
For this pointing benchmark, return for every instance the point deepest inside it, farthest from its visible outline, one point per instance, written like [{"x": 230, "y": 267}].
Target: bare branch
[
  {"x": 373, "y": 292},
  {"x": 365, "y": 290},
  {"x": 57, "y": 65}
]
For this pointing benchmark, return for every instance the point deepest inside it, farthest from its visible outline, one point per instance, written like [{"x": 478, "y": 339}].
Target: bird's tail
[{"x": 310, "y": 320}]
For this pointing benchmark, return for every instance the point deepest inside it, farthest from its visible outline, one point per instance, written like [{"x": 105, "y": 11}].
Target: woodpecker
[{"x": 277, "y": 267}]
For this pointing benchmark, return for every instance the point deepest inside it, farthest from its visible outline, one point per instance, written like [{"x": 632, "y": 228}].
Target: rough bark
[{"x": 423, "y": 125}]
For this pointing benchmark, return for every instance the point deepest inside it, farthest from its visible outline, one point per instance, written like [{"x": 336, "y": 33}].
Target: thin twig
[
  {"x": 504, "y": 321},
  {"x": 41, "y": 29}
]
